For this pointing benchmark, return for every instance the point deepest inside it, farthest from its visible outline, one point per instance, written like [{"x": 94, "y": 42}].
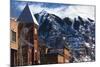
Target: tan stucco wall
[{"x": 13, "y": 27}]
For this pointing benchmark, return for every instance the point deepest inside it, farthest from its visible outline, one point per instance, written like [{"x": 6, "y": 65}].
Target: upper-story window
[{"x": 13, "y": 36}]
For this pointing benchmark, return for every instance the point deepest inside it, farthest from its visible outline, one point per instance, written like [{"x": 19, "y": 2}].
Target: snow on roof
[{"x": 35, "y": 21}]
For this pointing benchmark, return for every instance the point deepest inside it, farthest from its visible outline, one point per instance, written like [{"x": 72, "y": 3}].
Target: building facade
[{"x": 25, "y": 48}]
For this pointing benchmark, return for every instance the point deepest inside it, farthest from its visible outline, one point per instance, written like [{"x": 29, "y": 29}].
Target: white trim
[{"x": 34, "y": 19}]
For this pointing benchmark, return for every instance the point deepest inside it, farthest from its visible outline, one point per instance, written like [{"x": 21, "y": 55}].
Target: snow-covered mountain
[{"x": 77, "y": 34}]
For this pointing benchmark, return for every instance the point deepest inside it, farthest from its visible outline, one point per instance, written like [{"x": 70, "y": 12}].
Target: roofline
[{"x": 34, "y": 19}]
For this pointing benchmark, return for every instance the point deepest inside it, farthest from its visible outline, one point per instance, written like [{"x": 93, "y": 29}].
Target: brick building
[{"x": 25, "y": 49}]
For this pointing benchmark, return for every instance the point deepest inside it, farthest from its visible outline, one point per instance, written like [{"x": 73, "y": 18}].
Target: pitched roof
[{"x": 27, "y": 16}]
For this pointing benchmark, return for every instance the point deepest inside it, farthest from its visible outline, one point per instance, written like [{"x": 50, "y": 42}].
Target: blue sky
[
  {"x": 61, "y": 10},
  {"x": 16, "y": 6}
]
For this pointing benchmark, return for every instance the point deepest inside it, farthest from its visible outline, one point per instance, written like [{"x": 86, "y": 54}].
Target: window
[{"x": 13, "y": 36}]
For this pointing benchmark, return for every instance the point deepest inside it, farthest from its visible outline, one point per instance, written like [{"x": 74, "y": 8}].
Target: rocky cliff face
[{"x": 77, "y": 34}]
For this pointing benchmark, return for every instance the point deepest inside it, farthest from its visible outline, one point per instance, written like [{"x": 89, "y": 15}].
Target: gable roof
[{"x": 27, "y": 16}]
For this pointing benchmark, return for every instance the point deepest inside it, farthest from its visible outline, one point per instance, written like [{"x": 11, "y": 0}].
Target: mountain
[
  {"x": 76, "y": 34},
  {"x": 50, "y": 27}
]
